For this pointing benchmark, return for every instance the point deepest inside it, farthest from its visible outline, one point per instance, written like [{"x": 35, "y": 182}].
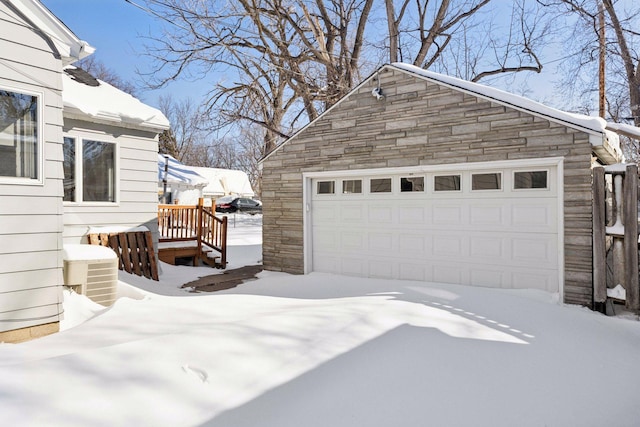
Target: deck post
[
  {"x": 199, "y": 219},
  {"x": 223, "y": 244},
  {"x": 599, "y": 241},
  {"x": 630, "y": 206}
]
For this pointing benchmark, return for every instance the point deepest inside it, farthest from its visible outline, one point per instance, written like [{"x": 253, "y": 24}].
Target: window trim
[
  {"x": 460, "y": 181},
  {"x": 40, "y": 141},
  {"x": 391, "y": 186},
  {"x": 487, "y": 190},
  {"x": 343, "y": 193},
  {"x": 317, "y": 189},
  {"x": 79, "y": 140},
  {"x": 412, "y": 176},
  {"x": 513, "y": 179}
]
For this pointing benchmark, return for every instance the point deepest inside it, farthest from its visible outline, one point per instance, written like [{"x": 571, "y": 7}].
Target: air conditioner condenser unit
[{"x": 91, "y": 270}]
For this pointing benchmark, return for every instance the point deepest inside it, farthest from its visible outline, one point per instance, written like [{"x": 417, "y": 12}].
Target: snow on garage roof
[
  {"x": 608, "y": 145},
  {"x": 105, "y": 103},
  {"x": 595, "y": 124}
]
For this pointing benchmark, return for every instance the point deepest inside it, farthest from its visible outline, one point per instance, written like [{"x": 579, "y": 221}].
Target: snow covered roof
[
  {"x": 225, "y": 181},
  {"x": 68, "y": 45},
  {"x": 105, "y": 103},
  {"x": 603, "y": 140},
  {"x": 595, "y": 124},
  {"x": 178, "y": 173},
  {"x": 623, "y": 129}
]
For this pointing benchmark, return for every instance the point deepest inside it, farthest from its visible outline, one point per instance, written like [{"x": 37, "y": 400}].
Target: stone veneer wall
[{"x": 423, "y": 123}]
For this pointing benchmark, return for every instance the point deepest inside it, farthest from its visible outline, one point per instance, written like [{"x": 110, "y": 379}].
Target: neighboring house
[
  {"x": 438, "y": 179},
  {"x": 178, "y": 183},
  {"x": 60, "y": 139},
  {"x": 225, "y": 182},
  {"x": 186, "y": 184}
]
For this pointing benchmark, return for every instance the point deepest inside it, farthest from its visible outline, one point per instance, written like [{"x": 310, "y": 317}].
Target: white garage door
[{"x": 486, "y": 227}]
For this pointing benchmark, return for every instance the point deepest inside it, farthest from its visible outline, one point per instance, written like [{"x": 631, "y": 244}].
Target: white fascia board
[
  {"x": 73, "y": 113},
  {"x": 69, "y": 46}
]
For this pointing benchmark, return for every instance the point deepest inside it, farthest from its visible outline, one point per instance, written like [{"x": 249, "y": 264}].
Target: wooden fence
[
  {"x": 615, "y": 234},
  {"x": 134, "y": 249}
]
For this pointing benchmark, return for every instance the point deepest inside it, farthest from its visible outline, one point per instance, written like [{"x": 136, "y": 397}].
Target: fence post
[
  {"x": 631, "y": 237},
  {"x": 599, "y": 241}
]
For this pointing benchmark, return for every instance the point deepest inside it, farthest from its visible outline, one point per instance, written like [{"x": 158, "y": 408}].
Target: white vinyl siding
[
  {"x": 136, "y": 184},
  {"x": 31, "y": 210}
]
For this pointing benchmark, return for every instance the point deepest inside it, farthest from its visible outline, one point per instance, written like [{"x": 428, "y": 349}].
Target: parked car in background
[{"x": 238, "y": 204}]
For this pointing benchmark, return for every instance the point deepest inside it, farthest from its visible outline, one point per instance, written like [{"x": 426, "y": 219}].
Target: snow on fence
[{"x": 615, "y": 234}]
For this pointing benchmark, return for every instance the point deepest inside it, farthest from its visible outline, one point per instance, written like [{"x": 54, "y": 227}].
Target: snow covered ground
[{"x": 322, "y": 350}]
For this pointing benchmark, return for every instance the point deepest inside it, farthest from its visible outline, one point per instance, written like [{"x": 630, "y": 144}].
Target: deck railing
[{"x": 181, "y": 223}]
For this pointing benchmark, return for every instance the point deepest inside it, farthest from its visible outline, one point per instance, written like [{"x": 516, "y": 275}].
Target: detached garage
[{"x": 440, "y": 180}]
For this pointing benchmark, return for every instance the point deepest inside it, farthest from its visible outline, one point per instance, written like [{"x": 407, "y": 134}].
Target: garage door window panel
[
  {"x": 412, "y": 184},
  {"x": 352, "y": 186},
  {"x": 326, "y": 187},
  {"x": 530, "y": 180},
  {"x": 486, "y": 181},
  {"x": 446, "y": 183},
  {"x": 380, "y": 185}
]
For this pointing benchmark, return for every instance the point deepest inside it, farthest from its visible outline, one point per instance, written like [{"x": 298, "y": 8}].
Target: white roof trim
[
  {"x": 595, "y": 126},
  {"x": 69, "y": 46}
]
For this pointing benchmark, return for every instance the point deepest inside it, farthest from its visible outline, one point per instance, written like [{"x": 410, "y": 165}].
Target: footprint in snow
[{"x": 199, "y": 372}]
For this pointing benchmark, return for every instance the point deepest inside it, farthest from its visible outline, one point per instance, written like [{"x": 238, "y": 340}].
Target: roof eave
[
  {"x": 68, "y": 45},
  {"x": 77, "y": 114}
]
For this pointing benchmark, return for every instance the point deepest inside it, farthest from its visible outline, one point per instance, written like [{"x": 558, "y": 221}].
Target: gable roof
[
  {"x": 603, "y": 140},
  {"x": 68, "y": 45}
]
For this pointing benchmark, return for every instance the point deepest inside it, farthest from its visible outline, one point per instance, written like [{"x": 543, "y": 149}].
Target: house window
[
  {"x": 412, "y": 184},
  {"x": 20, "y": 150},
  {"x": 529, "y": 180},
  {"x": 326, "y": 187},
  {"x": 95, "y": 162},
  {"x": 352, "y": 186},
  {"x": 486, "y": 181},
  {"x": 69, "y": 166},
  {"x": 446, "y": 183},
  {"x": 380, "y": 185}
]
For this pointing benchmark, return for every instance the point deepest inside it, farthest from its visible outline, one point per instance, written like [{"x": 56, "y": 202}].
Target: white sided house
[
  {"x": 110, "y": 157},
  {"x": 182, "y": 184},
  {"x": 34, "y": 48},
  {"x": 75, "y": 153},
  {"x": 178, "y": 183},
  {"x": 419, "y": 176}
]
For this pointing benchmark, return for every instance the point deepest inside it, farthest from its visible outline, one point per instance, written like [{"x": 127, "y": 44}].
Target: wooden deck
[{"x": 192, "y": 232}]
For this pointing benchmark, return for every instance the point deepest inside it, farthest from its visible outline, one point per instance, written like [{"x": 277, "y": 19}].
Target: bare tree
[
  {"x": 100, "y": 71},
  {"x": 188, "y": 139},
  {"x": 462, "y": 38},
  {"x": 284, "y": 61},
  {"x": 622, "y": 53}
]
